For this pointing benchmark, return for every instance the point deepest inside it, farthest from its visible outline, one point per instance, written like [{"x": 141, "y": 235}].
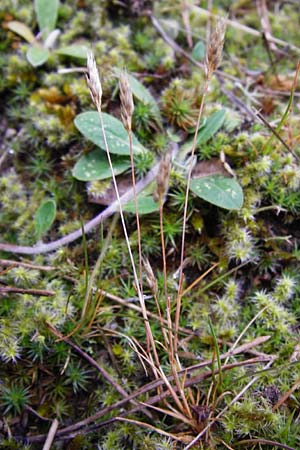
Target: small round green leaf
[
  {"x": 219, "y": 190},
  {"x": 146, "y": 205},
  {"x": 73, "y": 51},
  {"x": 94, "y": 166},
  {"x": 37, "y": 55},
  {"x": 22, "y": 30},
  {"x": 198, "y": 52},
  {"x": 46, "y": 13},
  {"x": 44, "y": 217},
  {"x": 88, "y": 124}
]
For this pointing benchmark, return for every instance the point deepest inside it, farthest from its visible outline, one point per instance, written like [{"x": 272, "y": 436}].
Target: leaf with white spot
[
  {"x": 219, "y": 190},
  {"x": 94, "y": 166},
  {"x": 88, "y": 124}
]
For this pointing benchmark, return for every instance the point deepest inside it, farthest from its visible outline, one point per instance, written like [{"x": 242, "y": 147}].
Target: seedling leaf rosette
[{"x": 39, "y": 50}]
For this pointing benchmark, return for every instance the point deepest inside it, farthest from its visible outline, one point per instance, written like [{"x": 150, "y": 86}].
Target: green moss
[{"x": 255, "y": 248}]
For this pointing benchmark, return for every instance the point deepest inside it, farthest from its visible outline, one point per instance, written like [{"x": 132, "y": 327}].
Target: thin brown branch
[
  {"x": 247, "y": 29},
  {"x": 265, "y": 442},
  {"x": 154, "y": 385},
  {"x": 284, "y": 397},
  {"x": 90, "y": 360},
  {"x": 15, "y": 290},
  {"x": 51, "y": 435},
  {"x": 11, "y": 263},
  {"x": 88, "y": 227},
  {"x": 262, "y": 12},
  {"x": 269, "y": 126}
]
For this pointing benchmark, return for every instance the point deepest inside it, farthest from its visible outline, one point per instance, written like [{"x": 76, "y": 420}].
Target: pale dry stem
[{"x": 94, "y": 85}]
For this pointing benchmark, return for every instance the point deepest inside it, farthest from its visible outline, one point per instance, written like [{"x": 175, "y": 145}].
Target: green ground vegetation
[{"x": 73, "y": 340}]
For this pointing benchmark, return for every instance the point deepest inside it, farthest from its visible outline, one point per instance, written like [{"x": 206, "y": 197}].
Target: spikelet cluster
[
  {"x": 150, "y": 277},
  {"x": 215, "y": 48},
  {"x": 162, "y": 179},
  {"x": 93, "y": 80},
  {"x": 127, "y": 105}
]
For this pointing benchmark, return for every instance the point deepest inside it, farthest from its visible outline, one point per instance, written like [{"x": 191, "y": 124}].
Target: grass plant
[{"x": 176, "y": 328}]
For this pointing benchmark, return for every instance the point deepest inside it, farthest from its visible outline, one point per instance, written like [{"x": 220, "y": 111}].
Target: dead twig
[
  {"x": 262, "y": 12},
  {"x": 90, "y": 360},
  {"x": 51, "y": 435},
  {"x": 266, "y": 442},
  {"x": 269, "y": 126},
  {"x": 157, "y": 383},
  {"x": 286, "y": 395},
  {"x": 15, "y": 290},
  {"x": 10, "y": 263},
  {"x": 236, "y": 398},
  {"x": 88, "y": 227},
  {"x": 246, "y": 29}
]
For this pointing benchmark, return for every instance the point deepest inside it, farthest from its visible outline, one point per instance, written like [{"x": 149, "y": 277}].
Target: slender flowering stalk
[
  {"x": 93, "y": 80},
  {"x": 94, "y": 84},
  {"x": 127, "y": 108},
  {"x": 212, "y": 61}
]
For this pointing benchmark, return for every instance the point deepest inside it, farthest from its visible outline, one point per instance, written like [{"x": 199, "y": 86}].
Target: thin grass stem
[{"x": 180, "y": 288}]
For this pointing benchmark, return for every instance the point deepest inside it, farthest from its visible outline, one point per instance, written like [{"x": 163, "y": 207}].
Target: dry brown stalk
[
  {"x": 15, "y": 290},
  {"x": 90, "y": 360},
  {"x": 265, "y": 441},
  {"x": 285, "y": 396},
  {"x": 213, "y": 59},
  {"x": 155, "y": 384},
  {"x": 93, "y": 80},
  {"x": 127, "y": 108},
  {"x": 51, "y": 435},
  {"x": 11, "y": 264}
]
